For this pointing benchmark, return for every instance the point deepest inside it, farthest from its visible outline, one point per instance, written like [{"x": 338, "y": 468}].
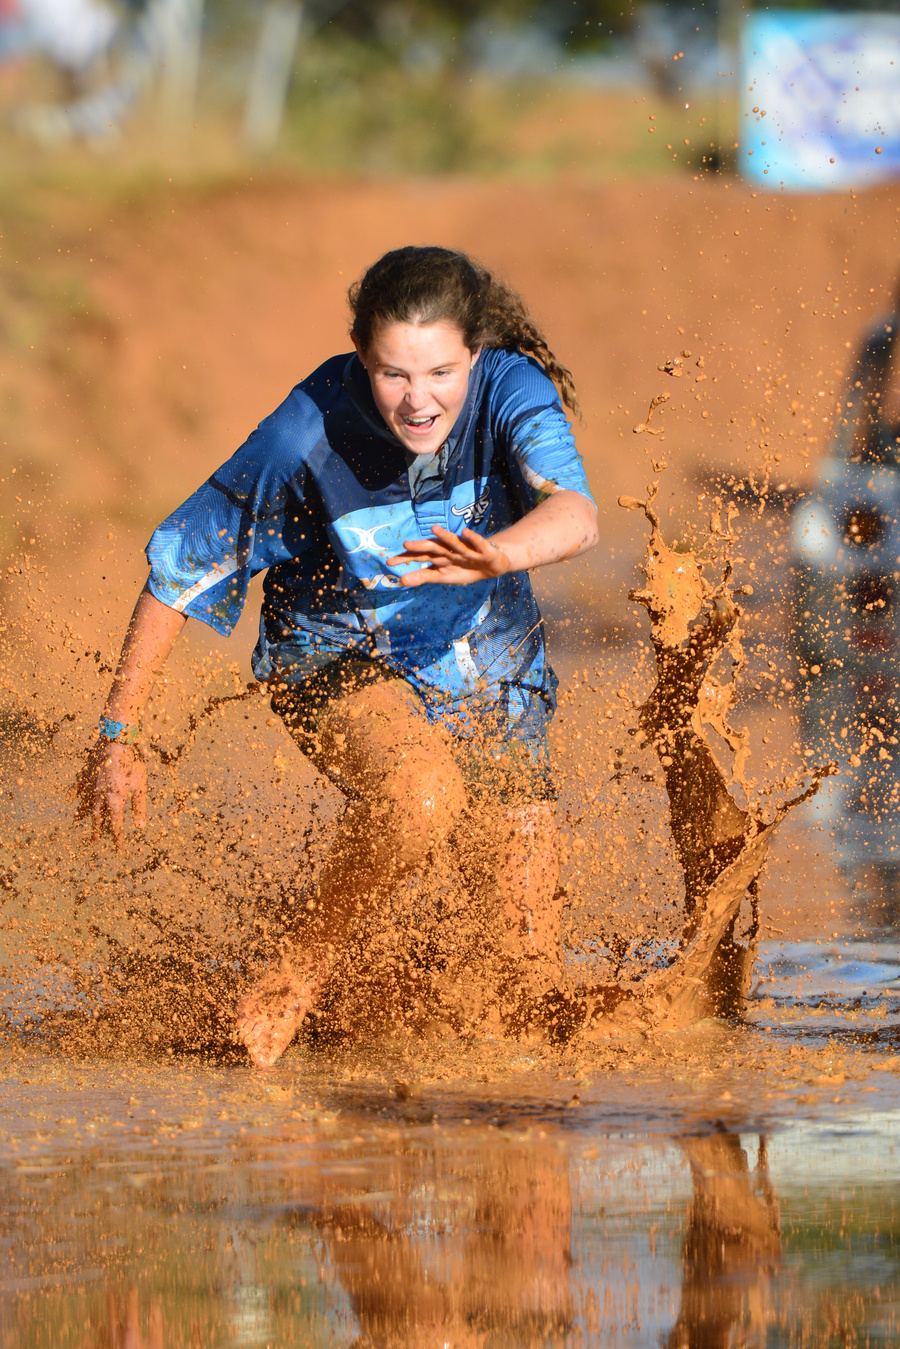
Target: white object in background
[
  {"x": 821, "y": 99},
  {"x": 164, "y": 38},
  {"x": 72, "y": 33},
  {"x": 181, "y": 26},
  {"x": 270, "y": 79}
]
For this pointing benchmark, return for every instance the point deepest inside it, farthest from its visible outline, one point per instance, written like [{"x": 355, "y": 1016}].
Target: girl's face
[{"x": 419, "y": 375}]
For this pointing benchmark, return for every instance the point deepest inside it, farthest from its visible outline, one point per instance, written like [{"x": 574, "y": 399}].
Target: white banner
[{"x": 821, "y": 98}]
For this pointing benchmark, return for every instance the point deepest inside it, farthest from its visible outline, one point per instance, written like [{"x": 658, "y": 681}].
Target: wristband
[{"x": 118, "y": 731}]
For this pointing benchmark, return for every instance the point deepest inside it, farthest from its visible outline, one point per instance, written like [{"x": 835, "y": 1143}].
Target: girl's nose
[{"x": 416, "y": 395}]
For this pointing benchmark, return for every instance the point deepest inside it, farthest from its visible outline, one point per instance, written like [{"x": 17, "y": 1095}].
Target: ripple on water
[{"x": 211, "y": 1206}]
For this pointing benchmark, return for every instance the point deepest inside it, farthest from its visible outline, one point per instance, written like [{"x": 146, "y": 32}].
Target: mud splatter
[
  {"x": 720, "y": 845},
  {"x": 644, "y": 427},
  {"x": 192, "y": 930}
]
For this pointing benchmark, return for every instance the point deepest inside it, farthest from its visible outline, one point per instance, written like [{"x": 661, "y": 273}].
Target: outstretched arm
[
  {"x": 563, "y": 525},
  {"x": 114, "y": 774}
]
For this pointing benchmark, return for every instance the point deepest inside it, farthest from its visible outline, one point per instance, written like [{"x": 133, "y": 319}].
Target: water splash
[{"x": 721, "y": 846}]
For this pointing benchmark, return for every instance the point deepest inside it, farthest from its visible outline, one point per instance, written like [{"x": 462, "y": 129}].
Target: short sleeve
[
  {"x": 528, "y": 415},
  {"x": 242, "y": 520}
]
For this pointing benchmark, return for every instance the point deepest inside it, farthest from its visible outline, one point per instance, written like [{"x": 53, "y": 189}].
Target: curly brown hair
[{"x": 427, "y": 284}]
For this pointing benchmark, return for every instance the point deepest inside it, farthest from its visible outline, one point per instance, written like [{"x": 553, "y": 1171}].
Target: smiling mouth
[{"x": 420, "y": 423}]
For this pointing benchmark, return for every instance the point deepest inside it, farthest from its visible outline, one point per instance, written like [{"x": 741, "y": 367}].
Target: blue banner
[{"x": 821, "y": 98}]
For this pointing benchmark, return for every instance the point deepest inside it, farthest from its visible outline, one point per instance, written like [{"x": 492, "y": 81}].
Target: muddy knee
[{"x": 418, "y": 805}]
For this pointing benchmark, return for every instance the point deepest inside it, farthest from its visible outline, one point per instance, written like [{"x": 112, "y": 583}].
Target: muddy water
[
  {"x": 663, "y": 850},
  {"x": 727, "y": 1184},
  {"x": 720, "y": 1184},
  {"x": 719, "y": 1190}
]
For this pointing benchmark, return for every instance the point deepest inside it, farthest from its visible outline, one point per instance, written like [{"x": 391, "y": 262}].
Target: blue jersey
[{"x": 322, "y": 494}]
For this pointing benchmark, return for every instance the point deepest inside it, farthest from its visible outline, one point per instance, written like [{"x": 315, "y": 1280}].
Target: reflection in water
[
  {"x": 496, "y": 1265},
  {"x": 733, "y": 1242},
  {"x": 504, "y": 1272},
  {"x": 123, "y": 1325},
  {"x": 423, "y": 1238}
]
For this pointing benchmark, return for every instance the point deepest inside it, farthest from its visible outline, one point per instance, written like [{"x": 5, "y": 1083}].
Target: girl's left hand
[{"x": 452, "y": 559}]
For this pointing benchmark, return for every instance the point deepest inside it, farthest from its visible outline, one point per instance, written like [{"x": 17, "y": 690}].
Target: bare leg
[
  {"x": 511, "y": 860},
  {"x": 526, "y": 884},
  {"x": 410, "y": 794}
]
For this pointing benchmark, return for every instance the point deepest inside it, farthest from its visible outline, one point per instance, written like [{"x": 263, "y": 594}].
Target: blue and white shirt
[{"x": 321, "y": 494}]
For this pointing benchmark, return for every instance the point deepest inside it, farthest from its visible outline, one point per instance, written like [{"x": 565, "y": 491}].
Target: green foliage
[
  {"x": 352, "y": 109},
  {"x": 571, "y": 22},
  {"x": 390, "y": 25}
]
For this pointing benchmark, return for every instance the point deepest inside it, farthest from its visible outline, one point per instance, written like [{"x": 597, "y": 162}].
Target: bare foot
[{"x": 270, "y": 1013}]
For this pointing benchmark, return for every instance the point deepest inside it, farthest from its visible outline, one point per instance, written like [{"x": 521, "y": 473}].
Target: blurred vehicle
[{"x": 846, "y": 625}]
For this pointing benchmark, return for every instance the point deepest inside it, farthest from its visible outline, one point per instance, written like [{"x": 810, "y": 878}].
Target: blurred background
[{"x": 697, "y": 200}]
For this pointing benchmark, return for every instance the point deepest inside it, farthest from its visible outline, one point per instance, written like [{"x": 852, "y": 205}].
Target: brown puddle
[{"x": 146, "y": 1207}]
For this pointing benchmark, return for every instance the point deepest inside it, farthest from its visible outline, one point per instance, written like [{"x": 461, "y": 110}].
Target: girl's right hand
[{"x": 113, "y": 776}]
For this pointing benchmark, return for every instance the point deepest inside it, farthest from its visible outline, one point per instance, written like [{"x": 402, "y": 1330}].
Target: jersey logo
[
  {"x": 367, "y": 542},
  {"x": 387, "y": 582},
  {"x": 474, "y": 514}
]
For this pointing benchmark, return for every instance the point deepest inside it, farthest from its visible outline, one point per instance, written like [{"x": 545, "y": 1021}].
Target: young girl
[{"x": 398, "y": 498}]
